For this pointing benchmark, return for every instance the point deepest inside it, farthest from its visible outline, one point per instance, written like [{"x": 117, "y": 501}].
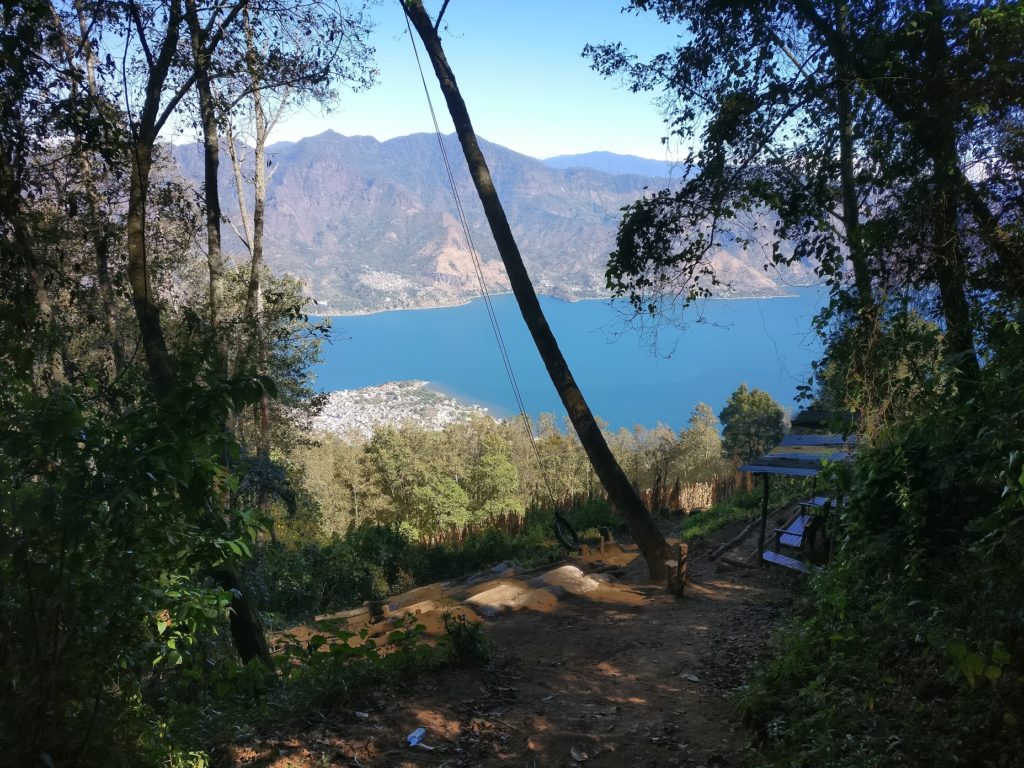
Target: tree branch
[
  {"x": 133, "y": 10},
  {"x": 444, "y": 7}
]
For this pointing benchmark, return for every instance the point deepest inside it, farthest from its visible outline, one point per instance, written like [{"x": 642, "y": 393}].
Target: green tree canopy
[
  {"x": 752, "y": 422},
  {"x": 700, "y": 446},
  {"x": 876, "y": 139}
]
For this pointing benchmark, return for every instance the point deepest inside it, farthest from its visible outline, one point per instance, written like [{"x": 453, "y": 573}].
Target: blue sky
[{"x": 519, "y": 67}]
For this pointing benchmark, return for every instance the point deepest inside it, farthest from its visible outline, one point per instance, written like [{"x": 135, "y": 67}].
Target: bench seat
[
  {"x": 793, "y": 534},
  {"x": 785, "y": 561}
]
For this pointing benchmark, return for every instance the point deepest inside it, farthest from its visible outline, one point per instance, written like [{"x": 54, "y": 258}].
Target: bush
[
  {"x": 467, "y": 638},
  {"x": 111, "y": 527},
  {"x": 204, "y": 704},
  {"x": 373, "y": 562},
  {"x": 910, "y": 649}
]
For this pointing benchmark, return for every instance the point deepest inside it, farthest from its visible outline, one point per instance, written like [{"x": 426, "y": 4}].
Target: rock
[
  {"x": 578, "y": 754},
  {"x": 569, "y": 579},
  {"x": 505, "y": 598}
]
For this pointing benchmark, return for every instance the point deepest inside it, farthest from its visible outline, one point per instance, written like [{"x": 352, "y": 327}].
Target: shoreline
[{"x": 470, "y": 300}]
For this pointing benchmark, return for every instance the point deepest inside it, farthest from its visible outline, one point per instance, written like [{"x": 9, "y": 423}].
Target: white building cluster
[{"x": 361, "y": 411}]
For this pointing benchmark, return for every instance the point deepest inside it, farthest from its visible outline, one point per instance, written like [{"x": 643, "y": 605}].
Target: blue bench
[
  {"x": 788, "y": 562},
  {"x": 793, "y": 534},
  {"x": 798, "y": 534}
]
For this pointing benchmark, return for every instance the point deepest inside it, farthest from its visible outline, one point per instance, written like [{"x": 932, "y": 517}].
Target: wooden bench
[
  {"x": 798, "y": 534},
  {"x": 793, "y": 534}
]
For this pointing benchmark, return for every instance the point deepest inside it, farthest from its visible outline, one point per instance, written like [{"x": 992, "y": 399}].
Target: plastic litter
[{"x": 416, "y": 736}]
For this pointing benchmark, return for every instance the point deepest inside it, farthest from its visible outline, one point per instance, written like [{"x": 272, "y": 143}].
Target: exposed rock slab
[
  {"x": 569, "y": 579},
  {"x": 511, "y": 596}
]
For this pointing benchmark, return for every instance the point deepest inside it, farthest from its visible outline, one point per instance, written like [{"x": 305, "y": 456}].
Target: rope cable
[{"x": 478, "y": 270}]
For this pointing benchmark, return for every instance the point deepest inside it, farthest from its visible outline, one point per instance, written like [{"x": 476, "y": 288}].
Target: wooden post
[
  {"x": 675, "y": 578},
  {"x": 681, "y": 568},
  {"x": 764, "y": 523}
]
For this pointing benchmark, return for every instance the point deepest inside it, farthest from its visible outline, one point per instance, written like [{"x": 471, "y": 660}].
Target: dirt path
[{"x": 623, "y": 675}]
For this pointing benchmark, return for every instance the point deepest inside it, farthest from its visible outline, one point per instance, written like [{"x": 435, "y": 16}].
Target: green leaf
[{"x": 1000, "y": 655}]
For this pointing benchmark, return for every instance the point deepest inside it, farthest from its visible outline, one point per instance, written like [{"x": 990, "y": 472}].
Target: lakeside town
[{"x": 361, "y": 411}]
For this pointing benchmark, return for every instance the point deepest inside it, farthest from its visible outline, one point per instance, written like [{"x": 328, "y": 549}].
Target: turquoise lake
[{"x": 627, "y": 379}]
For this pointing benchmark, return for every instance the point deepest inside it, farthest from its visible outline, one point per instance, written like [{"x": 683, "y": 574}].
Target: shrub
[
  {"x": 110, "y": 541},
  {"x": 910, "y": 649}
]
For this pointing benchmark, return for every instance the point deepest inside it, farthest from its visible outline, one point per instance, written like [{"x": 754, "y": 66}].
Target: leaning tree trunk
[{"x": 621, "y": 493}]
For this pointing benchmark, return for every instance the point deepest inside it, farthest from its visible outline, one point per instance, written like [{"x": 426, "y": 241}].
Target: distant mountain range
[
  {"x": 609, "y": 162},
  {"x": 372, "y": 226}
]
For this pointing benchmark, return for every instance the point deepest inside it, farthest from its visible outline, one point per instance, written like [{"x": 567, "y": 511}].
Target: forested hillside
[{"x": 165, "y": 500}]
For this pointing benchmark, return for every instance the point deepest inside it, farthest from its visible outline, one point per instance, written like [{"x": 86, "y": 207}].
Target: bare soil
[{"x": 624, "y": 674}]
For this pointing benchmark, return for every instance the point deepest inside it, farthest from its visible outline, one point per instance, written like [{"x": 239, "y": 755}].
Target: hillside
[
  {"x": 371, "y": 225},
  {"x": 590, "y": 665}
]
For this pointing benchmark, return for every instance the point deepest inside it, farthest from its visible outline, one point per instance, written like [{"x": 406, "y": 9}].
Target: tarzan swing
[{"x": 620, "y": 491}]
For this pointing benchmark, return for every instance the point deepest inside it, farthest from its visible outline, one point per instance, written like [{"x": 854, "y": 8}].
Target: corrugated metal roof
[{"x": 802, "y": 455}]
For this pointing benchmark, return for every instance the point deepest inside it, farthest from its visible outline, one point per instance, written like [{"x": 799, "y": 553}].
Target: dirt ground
[{"x": 620, "y": 674}]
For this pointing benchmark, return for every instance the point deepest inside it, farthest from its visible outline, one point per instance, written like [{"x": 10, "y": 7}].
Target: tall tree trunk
[
  {"x": 951, "y": 277},
  {"x": 254, "y": 295},
  {"x": 254, "y": 232},
  {"x": 202, "y": 63},
  {"x": 245, "y": 625},
  {"x": 621, "y": 493},
  {"x": 50, "y": 358},
  {"x": 144, "y": 135},
  {"x": 847, "y": 178},
  {"x": 99, "y": 227},
  {"x": 950, "y": 269},
  {"x": 147, "y": 311},
  {"x": 101, "y": 244}
]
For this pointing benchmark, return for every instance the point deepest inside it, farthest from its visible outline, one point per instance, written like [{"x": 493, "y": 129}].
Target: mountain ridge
[
  {"x": 371, "y": 226},
  {"x": 614, "y": 164}
]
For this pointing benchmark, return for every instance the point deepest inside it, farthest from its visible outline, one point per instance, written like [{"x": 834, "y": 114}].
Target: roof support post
[{"x": 764, "y": 521}]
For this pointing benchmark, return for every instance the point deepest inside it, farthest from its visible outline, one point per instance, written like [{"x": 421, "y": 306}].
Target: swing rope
[{"x": 478, "y": 269}]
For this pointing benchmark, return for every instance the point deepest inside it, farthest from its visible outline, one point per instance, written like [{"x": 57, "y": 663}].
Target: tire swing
[{"x": 566, "y": 534}]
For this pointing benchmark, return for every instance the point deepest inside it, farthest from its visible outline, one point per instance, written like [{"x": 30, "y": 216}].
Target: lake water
[{"x": 767, "y": 343}]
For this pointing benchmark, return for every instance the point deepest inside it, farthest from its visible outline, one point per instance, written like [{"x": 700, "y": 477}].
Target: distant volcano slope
[{"x": 372, "y": 226}]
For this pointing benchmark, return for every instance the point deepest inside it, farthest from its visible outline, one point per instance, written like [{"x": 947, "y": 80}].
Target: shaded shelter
[{"x": 801, "y": 453}]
